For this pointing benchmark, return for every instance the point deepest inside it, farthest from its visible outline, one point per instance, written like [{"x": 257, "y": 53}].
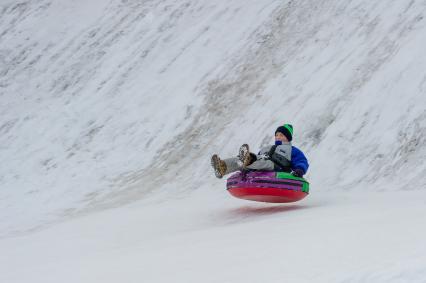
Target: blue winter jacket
[{"x": 298, "y": 160}]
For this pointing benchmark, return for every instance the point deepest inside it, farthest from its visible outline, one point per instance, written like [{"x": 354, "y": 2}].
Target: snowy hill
[{"x": 110, "y": 110}]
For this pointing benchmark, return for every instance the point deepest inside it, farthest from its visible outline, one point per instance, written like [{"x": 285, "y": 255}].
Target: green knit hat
[{"x": 286, "y": 130}]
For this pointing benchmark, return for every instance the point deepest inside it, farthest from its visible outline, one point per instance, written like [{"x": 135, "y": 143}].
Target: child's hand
[
  {"x": 264, "y": 156},
  {"x": 297, "y": 172}
]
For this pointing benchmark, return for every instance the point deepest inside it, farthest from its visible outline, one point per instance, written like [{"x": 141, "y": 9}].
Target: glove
[{"x": 297, "y": 172}]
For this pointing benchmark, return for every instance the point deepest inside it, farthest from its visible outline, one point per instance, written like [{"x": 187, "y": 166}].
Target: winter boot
[
  {"x": 219, "y": 166},
  {"x": 244, "y": 155}
]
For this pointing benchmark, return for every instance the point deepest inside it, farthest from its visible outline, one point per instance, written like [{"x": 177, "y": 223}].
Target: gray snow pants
[{"x": 234, "y": 164}]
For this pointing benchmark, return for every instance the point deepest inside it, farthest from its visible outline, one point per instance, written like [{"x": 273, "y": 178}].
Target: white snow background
[{"x": 110, "y": 111}]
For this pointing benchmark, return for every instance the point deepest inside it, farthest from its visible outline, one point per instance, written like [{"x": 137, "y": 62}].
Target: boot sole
[
  {"x": 215, "y": 160},
  {"x": 244, "y": 155}
]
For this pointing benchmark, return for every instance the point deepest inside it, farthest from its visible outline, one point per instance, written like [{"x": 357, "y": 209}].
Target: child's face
[{"x": 280, "y": 137}]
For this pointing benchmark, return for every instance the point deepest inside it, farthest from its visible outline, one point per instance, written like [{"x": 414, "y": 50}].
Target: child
[{"x": 279, "y": 157}]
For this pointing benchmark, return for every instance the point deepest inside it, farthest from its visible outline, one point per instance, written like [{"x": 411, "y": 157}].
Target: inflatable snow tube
[{"x": 267, "y": 186}]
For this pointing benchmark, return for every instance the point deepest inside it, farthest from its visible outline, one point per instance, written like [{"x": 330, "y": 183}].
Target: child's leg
[
  {"x": 262, "y": 164},
  {"x": 233, "y": 164},
  {"x": 226, "y": 166}
]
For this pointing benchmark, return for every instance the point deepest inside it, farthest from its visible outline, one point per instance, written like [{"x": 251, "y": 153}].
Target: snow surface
[{"x": 110, "y": 111}]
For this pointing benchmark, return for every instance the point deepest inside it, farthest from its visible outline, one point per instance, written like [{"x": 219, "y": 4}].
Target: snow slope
[
  {"x": 110, "y": 110},
  {"x": 335, "y": 237}
]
